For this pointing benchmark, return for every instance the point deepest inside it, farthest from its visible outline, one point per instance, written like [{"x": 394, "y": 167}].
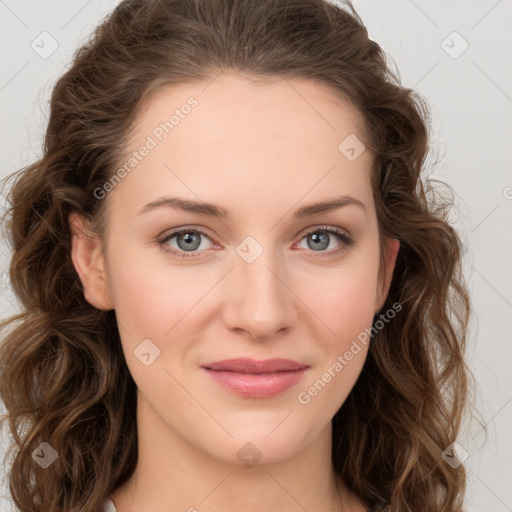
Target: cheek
[
  {"x": 151, "y": 297},
  {"x": 344, "y": 299},
  {"x": 160, "y": 302},
  {"x": 148, "y": 301},
  {"x": 145, "y": 289},
  {"x": 347, "y": 309},
  {"x": 151, "y": 304}
]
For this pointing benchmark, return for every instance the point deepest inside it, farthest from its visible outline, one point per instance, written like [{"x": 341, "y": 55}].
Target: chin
[{"x": 257, "y": 446}]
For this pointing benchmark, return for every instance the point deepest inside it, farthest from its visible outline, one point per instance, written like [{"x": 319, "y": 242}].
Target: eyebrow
[{"x": 208, "y": 209}]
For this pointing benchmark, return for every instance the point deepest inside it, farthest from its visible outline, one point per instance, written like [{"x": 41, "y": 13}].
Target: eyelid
[
  {"x": 169, "y": 233},
  {"x": 325, "y": 227}
]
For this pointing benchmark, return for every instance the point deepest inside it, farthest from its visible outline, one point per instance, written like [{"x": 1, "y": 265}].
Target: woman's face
[{"x": 260, "y": 282}]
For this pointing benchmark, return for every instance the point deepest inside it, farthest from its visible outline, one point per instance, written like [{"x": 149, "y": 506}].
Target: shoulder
[{"x": 108, "y": 506}]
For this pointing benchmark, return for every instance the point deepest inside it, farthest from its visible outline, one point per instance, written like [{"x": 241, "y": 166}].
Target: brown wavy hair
[{"x": 64, "y": 378}]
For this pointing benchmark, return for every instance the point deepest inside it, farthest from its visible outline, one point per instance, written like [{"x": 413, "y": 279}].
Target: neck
[{"x": 172, "y": 474}]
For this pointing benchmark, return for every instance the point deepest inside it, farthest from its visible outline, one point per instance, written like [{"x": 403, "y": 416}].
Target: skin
[{"x": 259, "y": 150}]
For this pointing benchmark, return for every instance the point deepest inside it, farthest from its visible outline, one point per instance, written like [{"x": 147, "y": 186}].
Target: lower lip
[{"x": 257, "y": 385}]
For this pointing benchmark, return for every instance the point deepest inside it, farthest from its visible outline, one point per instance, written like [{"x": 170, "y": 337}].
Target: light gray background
[{"x": 471, "y": 100}]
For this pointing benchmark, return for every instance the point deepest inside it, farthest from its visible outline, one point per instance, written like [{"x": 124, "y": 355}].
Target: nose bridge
[{"x": 262, "y": 303}]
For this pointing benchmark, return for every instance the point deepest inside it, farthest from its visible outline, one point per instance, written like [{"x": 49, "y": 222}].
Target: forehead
[
  {"x": 244, "y": 137},
  {"x": 254, "y": 105}
]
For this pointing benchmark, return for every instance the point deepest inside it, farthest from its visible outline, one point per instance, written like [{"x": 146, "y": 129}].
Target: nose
[{"x": 261, "y": 299}]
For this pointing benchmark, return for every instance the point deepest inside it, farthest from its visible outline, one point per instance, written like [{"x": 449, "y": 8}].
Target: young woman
[{"x": 239, "y": 292}]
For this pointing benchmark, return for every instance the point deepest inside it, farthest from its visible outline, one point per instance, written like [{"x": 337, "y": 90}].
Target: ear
[
  {"x": 386, "y": 272},
  {"x": 88, "y": 260}
]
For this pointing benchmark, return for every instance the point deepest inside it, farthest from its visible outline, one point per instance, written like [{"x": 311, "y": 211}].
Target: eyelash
[{"x": 340, "y": 235}]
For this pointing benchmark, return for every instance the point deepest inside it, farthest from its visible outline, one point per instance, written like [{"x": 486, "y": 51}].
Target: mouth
[{"x": 250, "y": 378}]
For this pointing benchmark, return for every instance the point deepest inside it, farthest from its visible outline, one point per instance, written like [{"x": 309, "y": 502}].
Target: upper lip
[{"x": 244, "y": 365}]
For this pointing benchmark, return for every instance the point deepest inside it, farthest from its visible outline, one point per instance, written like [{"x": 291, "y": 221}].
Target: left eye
[
  {"x": 189, "y": 241},
  {"x": 321, "y": 238}
]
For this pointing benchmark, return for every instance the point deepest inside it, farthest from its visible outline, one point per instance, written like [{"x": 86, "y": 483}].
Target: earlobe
[
  {"x": 386, "y": 274},
  {"x": 88, "y": 260}
]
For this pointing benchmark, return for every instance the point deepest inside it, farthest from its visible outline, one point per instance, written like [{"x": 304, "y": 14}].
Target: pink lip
[{"x": 256, "y": 379}]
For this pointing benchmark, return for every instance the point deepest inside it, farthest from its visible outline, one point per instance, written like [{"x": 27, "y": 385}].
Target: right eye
[{"x": 186, "y": 238}]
